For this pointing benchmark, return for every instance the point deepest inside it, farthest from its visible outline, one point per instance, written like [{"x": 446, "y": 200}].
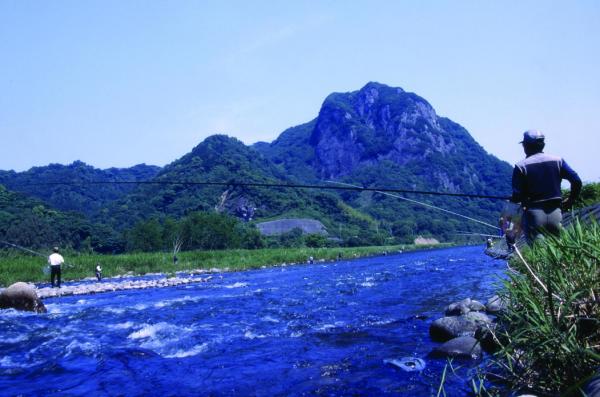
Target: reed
[{"x": 552, "y": 334}]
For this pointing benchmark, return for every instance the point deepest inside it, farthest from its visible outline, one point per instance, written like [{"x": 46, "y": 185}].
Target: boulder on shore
[
  {"x": 447, "y": 328},
  {"x": 461, "y": 347},
  {"x": 21, "y": 296}
]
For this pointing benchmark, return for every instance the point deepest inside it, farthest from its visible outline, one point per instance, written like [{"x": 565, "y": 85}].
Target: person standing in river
[
  {"x": 536, "y": 185},
  {"x": 98, "y": 271},
  {"x": 55, "y": 260}
]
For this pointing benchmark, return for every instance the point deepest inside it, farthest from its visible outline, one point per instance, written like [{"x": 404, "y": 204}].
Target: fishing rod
[
  {"x": 425, "y": 205},
  {"x": 270, "y": 185},
  {"x": 479, "y": 234},
  {"x": 23, "y": 249},
  {"x": 30, "y": 251}
]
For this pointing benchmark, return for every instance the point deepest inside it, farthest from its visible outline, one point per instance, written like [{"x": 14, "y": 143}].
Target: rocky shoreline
[
  {"x": 466, "y": 329},
  {"x": 120, "y": 285},
  {"x": 28, "y": 297}
]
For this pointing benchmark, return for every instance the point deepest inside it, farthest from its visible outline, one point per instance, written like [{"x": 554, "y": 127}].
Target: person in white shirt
[
  {"x": 98, "y": 272},
  {"x": 55, "y": 261}
]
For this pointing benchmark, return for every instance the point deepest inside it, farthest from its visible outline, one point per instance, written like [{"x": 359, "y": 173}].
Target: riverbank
[
  {"x": 17, "y": 267},
  {"x": 550, "y": 332}
]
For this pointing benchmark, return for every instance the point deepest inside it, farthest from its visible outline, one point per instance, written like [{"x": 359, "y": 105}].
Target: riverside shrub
[{"x": 553, "y": 331}]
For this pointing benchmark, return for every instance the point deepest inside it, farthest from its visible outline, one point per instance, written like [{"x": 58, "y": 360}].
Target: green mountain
[
  {"x": 292, "y": 152},
  {"x": 223, "y": 159},
  {"x": 378, "y": 136},
  {"x": 77, "y": 194},
  {"x": 384, "y": 136},
  {"x": 30, "y": 223},
  {"x": 384, "y": 125}
]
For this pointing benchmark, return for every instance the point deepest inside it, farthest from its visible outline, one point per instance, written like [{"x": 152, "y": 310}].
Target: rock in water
[
  {"x": 461, "y": 347},
  {"x": 458, "y": 308},
  {"x": 495, "y": 304},
  {"x": 21, "y": 296},
  {"x": 463, "y": 307},
  {"x": 447, "y": 328},
  {"x": 408, "y": 364},
  {"x": 476, "y": 306}
]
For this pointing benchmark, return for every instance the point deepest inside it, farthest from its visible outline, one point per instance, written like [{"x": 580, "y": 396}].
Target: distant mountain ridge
[
  {"x": 376, "y": 136},
  {"x": 385, "y": 136},
  {"x": 380, "y": 124},
  {"x": 220, "y": 158},
  {"x": 87, "y": 199}
]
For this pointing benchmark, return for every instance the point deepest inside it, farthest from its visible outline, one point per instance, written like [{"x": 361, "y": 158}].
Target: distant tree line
[
  {"x": 29, "y": 223},
  {"x": 199, "y": 230}
]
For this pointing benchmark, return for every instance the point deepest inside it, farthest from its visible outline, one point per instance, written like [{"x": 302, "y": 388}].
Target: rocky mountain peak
[
  {"x": 385, "y": 99},
  {"x": 377, "y": 122}
]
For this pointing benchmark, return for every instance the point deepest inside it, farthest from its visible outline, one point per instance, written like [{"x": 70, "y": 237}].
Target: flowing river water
[{"x": 321, "y": 329}]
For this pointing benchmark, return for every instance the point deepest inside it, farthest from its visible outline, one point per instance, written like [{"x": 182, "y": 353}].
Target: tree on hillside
[{"x": 146, "y": 236}]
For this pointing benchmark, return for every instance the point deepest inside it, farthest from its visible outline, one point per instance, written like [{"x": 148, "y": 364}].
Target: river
[{"x": 321, "y": 329}]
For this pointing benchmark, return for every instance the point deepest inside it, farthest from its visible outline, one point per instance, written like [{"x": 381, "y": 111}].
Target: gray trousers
[{"x": 539, "y": 221}]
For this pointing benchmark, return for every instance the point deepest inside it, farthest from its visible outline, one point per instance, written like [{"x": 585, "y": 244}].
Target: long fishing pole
[
  {"x": 261, "y": 184},
  {"x": 424, "y": 204},
  {"x": 23, "y": 249},
  {"x": 30, "y": 251},
  {"x": 478, "y": 234}
]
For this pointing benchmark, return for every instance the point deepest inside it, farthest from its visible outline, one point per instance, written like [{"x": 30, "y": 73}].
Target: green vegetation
[
  {"x": 30, "y": 223},
  {"x": 590, "y": 194},
  {"x": 392, "y": 152},
  {"x": 78, "y": 196},
  {"x": 18, "y": 267},
  {"x": 551, "y": 328}
]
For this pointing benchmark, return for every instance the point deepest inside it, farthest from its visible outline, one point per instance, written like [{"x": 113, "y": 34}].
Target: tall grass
[
  {"x": 18, "y": 267},
  {"x": 552, "y": 329}
]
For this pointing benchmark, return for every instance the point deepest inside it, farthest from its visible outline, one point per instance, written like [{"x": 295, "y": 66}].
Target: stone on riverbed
[
  {"x": 408, "y": 364},
  {"x": 461, "y": 347},
  {"x": 21, "y": 296},
  {"x": 109, "y": 286},
  {"x": 447, "y": 328},
  {"x": 463, "y": 307},
  {"x": 476, "y": 306},
  {"x": 495, "y": 304},
  {"x": 458, "y": 308}
]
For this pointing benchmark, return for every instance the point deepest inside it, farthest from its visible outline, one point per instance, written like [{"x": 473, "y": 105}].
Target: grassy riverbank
[
  {"x": 551, "y": 328},
  {"x": 17, "y": 267}
]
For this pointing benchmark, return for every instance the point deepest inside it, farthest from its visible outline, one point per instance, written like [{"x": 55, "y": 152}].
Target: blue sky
[{"x": 116, "y": 83}]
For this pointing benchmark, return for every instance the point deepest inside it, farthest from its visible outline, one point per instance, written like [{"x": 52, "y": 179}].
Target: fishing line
[
  {"x": 479, "y": 234},
  {"x": 260, "y": 184},
  {"x": 342, "y": 186},
  {"x": 425, "y": 205}
]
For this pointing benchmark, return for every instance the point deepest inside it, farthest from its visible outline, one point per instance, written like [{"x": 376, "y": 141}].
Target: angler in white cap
[{"x": 536, "y": 185}]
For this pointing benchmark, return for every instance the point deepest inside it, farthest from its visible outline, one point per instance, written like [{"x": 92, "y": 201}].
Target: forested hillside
[
  {"x": 383, "y": 136},
  {"x": 378, "y": 136},
  {"x": 76, "y": 194},
  {"x": 30, "y": 223},
  {"x": 223, "y": 159}
]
